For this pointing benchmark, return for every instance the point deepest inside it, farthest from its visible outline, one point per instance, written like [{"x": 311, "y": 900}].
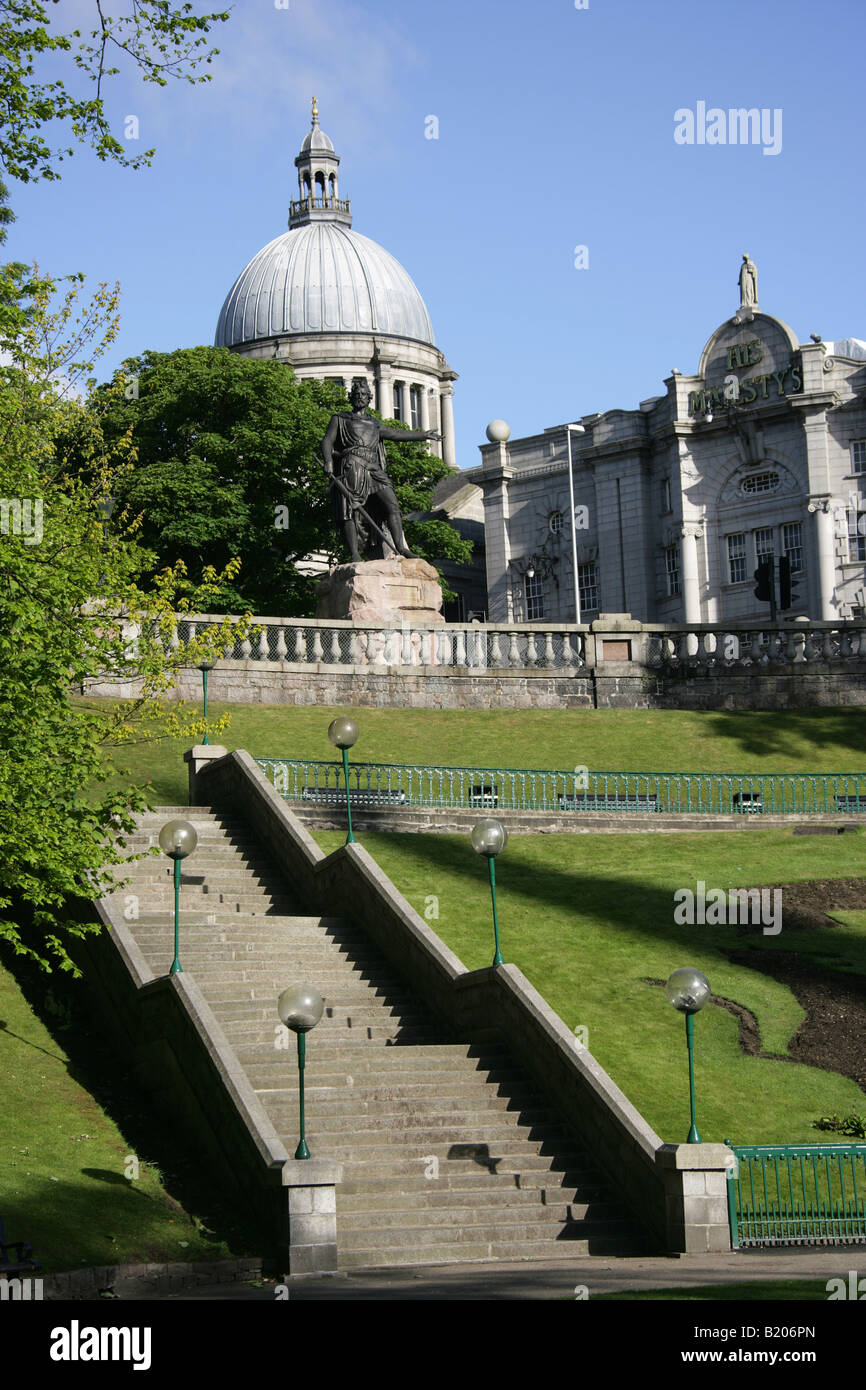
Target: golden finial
[{"x": 315, "y": 112}]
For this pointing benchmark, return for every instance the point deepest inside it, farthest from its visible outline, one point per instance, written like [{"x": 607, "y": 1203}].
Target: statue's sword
[{"x": 366, "y": 515}]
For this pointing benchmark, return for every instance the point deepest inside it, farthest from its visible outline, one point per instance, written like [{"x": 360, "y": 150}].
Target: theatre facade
[{"x": 760, "y": 454}]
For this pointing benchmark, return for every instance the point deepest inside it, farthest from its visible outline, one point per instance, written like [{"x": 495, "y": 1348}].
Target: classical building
[
  {"x": 337, "y": 306},
  {"x": 761, "y": 453}
]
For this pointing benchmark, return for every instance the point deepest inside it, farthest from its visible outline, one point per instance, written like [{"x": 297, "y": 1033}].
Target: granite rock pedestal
[{"x": 386, "y": 592}]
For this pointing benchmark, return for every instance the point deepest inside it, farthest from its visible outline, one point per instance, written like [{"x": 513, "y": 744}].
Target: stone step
[
  {"x": 489, "y": 1252},
  {"x": 463, "y": 1113},
  {"x": 406, "y": 1092},
  {"x": 417, "y": 1240},
  {"x": 391, "y": 1196},
  {"x": 493, "y": 1143},
  {"x": 507, "y": 1212},
  {"x": 395, "y": 1177}
]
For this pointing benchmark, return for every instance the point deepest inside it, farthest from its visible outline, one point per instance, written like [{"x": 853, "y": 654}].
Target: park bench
[
  {"x": 485, "y": 797},
  {"x": 23, "y": 1263},
  {"x": 748, "y": 803},
  {"x": 851, "y": 803},
  {"x": 336, "y": 796},
  {"x": 613, "y": 801}
]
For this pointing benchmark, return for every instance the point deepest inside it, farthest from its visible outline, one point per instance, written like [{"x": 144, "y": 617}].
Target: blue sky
[{"x": 555, "y": 130}]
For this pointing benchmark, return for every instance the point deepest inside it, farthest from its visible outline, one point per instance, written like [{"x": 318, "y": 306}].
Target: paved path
[{"x": 544, "y": 1281}]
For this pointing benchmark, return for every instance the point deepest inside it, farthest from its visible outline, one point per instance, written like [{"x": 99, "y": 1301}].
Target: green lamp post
[
  {"x": 688, "y": 990},
  {"x": 204, "y": 667},
  {"x": 343, "y": 733},
  {"x": 300, "y": 1008},
  {"x": 489, "y": 837},
  {"x": 177, "y": 839}
]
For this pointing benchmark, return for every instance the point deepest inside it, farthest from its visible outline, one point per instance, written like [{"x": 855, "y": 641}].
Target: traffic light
[
  {"x": 764, "y": 576},
  {"x": 787, "y": 584}
]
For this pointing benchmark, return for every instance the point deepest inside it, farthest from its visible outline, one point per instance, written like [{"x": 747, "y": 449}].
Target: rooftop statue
[{"x": 748, "y": 283}]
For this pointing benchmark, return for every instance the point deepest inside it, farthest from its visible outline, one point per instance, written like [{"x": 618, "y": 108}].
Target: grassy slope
[
  {"x": 589, "y": 919},
  {"x": 63, "y": 1162},
  {"x": 642, "y": 740}
]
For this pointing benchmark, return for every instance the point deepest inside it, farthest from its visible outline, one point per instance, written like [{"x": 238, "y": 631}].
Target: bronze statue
[{"x": 361, "y": 491}]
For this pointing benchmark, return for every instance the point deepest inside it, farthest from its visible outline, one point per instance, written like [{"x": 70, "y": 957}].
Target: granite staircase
[{"x": 448, "y": 1153}]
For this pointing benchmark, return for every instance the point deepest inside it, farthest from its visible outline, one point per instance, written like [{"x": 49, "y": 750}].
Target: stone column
[
  {"x": 824, "y": 548},
  {"x": 386, "y": 392},
  {"x": 495, "y": 478},
  {"x": 691, "y": 533},
  {"x": 424, "y": 406},
  {"x": 446, "y": 403}
]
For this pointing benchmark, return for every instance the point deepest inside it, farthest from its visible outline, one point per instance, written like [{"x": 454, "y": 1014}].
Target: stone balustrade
[
  {"x": 609, "y": 663},
  {"x": 473, "y": 646},
  {"x": 612, "y": 639}
]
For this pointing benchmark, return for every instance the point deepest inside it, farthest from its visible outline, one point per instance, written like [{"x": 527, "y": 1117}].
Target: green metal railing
[
  {"x": 531, "y": 789},
  {"x": 797, "y": 1194}
]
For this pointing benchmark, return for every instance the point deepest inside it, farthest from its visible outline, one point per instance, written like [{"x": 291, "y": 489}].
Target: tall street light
[
  {"x": 570, "y": 430},
  {"x": 177, "y": 839},
  {"x": 204, "y": 667},
  {"x": 300, "y": 1008},
  {"x": 489, "y": 837},
  {"x": 343, "y": 733},
  {"x": 688, "y": 990}
]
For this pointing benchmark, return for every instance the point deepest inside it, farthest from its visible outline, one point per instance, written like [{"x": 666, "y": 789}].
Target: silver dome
[{"x": 322, "y": 278}]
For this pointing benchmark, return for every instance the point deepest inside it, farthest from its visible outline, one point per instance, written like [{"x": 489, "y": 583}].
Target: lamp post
[
  {"x": 343, "y": 733},
  {"x": 300, "y": 1008},
  {"x": 489, "y": 837},
  {"x": 204, "y": 667},
  {"x": 569, "y": 431},
  {"x": 177, "y": 839},
  {"x": 688, "y": 990}
]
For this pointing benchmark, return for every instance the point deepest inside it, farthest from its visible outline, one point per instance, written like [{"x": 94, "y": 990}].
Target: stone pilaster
[{"x": 691, "y": 533}]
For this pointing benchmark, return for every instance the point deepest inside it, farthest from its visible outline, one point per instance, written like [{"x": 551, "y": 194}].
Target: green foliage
[
  {"x": 71, "y": 613},
  {"x": 853, "y": 1125},
  {"x": 160, "y": 39},
  {"x": 229, "y": 464}
]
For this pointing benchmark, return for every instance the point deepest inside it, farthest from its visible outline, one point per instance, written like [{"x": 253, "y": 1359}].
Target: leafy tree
[
  {"x": 229, "y": 464},
  {"x": 72, "y": 610},
  {"x": 162, "y": 40}
]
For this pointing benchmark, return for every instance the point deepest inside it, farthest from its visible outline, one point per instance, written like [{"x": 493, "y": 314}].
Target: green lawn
[
  {"x": 589, "y": 919},
  {"x": 824, "y": 740},
  {"x": 64, "y": 1161}
]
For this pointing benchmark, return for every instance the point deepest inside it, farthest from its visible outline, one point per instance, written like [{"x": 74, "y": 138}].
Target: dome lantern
[{"x": 318, "y": 193}]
